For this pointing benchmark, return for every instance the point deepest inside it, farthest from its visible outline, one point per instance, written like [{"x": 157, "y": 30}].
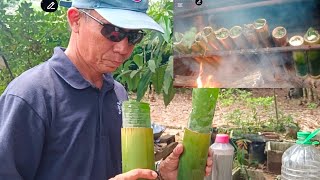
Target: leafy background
[{"x": 28, "y": 36}]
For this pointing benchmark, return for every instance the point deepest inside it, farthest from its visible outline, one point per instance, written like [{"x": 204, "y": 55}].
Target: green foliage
[
  {"x": 250, "y": 110},
  {"x": 27, "y": 38},
  {"x": 152, "y": 62},
  {"x": 312, "y": 105}
]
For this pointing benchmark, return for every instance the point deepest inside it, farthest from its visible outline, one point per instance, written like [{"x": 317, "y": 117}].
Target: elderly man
[{"x": 60, "y": 120}]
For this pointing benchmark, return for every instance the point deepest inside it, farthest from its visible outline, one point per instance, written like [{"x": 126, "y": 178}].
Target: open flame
[{"x": 207, "y": 83}]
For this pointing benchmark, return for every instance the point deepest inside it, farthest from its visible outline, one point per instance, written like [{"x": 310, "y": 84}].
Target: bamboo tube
[
  {"x": 223, "y": 36},
  {"x": 300, "y": 62},
  {"x": 137, "y": 137},
  {"x": 200, "y": 44},
  {"x": 279, "y": 36},
  {"x": 251, "y": 35},
  {"x": 238, "y": 37},
  {"x": 262, "y": 30},
  {"x": 312, "y": 37},
  {"x": 213, "y": 42},
  {"x": 178, "y": 45},
  {"x": 196, "y": 139}
]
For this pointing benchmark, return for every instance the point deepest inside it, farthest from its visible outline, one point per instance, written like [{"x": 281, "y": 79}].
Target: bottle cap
[
  {"x": 222, "y": 138},
  {"x": 305, "y": 137}
]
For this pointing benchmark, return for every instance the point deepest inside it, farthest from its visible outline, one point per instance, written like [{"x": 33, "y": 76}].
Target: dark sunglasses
[{"x": 117, "y": 34}]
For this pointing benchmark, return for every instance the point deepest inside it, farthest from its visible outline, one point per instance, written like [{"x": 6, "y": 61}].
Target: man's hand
[
  {"x": 169, "y": 167},
  {"x": 136, "y": 174}
]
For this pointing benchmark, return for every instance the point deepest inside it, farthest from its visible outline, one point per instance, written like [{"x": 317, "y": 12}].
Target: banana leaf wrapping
[
  {"x": 136, "y": 137},
  {"x": 213, "y": 42},
  {"x": 300, "y": 61},
  {"x": 312, "y": 37},
  {"x": 262, "y": 29},
  {"x": 238, "y": 38},
  {"x": 222, "y": 35},
  {"x": 196, "y": 140},
  {"x": 251, "y": 35},
  {"x": 279, "y": 36}
]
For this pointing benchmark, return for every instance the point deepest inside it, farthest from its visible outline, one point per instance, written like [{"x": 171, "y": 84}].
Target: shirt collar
[{"x": 63, "y": 66}]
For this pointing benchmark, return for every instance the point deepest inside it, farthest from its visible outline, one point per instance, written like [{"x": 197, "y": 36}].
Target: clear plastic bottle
[
  {"x": 222, "y": 158},
  {"x": 302, "y": 160}
]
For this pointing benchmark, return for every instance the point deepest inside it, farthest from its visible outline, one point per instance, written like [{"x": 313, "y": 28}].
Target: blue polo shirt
[{"x": 55, "y": 125}]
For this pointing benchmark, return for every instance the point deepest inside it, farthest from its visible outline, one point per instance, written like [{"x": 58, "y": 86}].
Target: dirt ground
[{"x": 175, "y": 116}]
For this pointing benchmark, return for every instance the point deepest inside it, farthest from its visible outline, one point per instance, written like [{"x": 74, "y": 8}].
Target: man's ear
[{"x": 74, "y": 19}]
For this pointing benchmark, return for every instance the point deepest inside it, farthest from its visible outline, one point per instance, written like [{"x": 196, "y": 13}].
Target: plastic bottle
[
  {"x": 222, "y": 158},
  {"x": 302, "y": 160}
]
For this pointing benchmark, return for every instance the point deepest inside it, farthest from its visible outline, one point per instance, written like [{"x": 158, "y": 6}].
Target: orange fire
[{"x": 207, "y": 83}]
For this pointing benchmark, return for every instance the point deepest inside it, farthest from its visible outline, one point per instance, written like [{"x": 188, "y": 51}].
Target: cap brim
[{"x": 129, "y": 19}]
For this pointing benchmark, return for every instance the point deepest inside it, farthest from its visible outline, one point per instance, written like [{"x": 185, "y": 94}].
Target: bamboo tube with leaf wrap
[
  {"x": 179, "y": 45},
  {"x": 222, "y": 35},
  {"x": 196, "y": 140},
  {"x": 238, "y": 37},
  {"x": 299, "y": 59},
  {"x": 136, "y": 137},
  {"x": 312, "y": 37},
  {"x": 279, "y": 36},
  {"x": 251, "y": 35},
  {"x": 213, "y": 42},
  {"x": 200, "y": 43},
  {"x": 262, "y": 30}
]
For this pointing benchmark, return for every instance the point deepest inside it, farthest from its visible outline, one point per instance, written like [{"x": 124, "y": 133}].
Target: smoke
[{"x": 263, "y": 70}]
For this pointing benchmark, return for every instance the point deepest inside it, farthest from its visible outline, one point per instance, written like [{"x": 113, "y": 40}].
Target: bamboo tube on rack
[
  {"x": 179, "y": 44},
  {"x": 213, "y": 42},
  {"x": 238, "y": 38},
  {"x": 137, "y": 137},
  {"x": 196, "y": 140},
  {"x": 200, "y": 44},
  {"x": 312, "y": 37},
  {"x": 279, "y": 36},
  {"x": 262, "y": 29},
  {"x": 300, "y": 62},
  {"x": 251, "y": 35},
  {"x": 222, "y": 35}
]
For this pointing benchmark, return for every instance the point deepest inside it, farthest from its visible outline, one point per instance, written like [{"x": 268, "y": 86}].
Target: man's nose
[{"x": 122, "y": 47}]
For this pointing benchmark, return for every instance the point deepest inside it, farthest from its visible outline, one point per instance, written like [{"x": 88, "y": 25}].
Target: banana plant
[{"x": 152, "y": 62}]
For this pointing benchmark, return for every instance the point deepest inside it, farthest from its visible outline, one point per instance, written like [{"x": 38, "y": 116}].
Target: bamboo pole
[
  {"x": 312, "y": 37},
  {"x": 300, "y": 61},
  {"x": 196, "y": 139}
]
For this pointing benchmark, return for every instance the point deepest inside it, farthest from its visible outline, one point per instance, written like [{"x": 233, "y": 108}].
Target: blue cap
[{"x": 128, "y": 14}]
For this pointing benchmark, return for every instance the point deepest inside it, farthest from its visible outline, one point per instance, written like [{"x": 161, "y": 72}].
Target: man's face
[{"x": 99, "y": 53}]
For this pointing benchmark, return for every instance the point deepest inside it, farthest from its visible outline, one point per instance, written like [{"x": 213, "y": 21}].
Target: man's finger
[
  {"x": 209, "y": 161},
  {"x": 136, "y": 174},
  {"x": 210, "y": 152},
  {"x": 177, "y": 151},
  {"x": 208, "y": 170}
]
